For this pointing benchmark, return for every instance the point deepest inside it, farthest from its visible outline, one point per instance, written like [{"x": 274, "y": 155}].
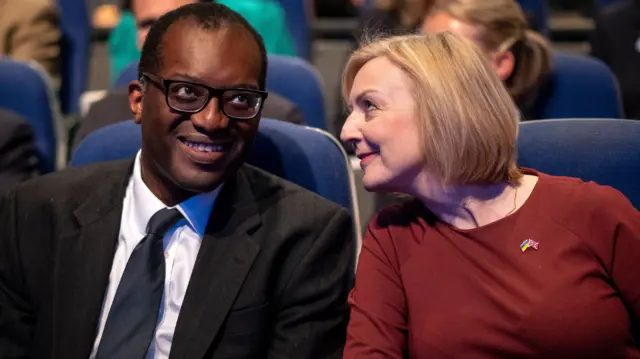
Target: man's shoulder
[
  {"x": 11, "y": 123},
  {"x": 73, "y": 182}
]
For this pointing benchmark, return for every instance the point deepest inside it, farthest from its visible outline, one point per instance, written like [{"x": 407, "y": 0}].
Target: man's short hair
[{"x": 208, "y": 16}]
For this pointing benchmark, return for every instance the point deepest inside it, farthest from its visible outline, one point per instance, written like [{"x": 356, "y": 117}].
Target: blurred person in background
[
  {"x": 18, "y": 158},
  {"x": 114, "y": 107},
  {"x": 390, "y": 16},
  {"x": 29, "y": 31},
  {"x": 266, "y": 16},
  {"x": 616, "y": 41},
  {"x": 487, "y": 260},
  {"x": 521, "y": 57},
  {"x": 379, "y": 18}
]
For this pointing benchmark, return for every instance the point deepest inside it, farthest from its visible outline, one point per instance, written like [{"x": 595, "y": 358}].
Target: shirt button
[{"x": 166, "y": 255}]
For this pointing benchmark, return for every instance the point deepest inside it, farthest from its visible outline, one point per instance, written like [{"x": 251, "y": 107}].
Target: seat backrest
[
  {"x": 75, "y": 52},
  {"x": 26, "y": 91},
  {"x": 298, "y": 17},
  {"x": 127, "y": 75},
  {"x": 579, "y": 87},
  {"x": 603, "y": 3},
  {"x": 602, "y": 150},
  {"x": 299, "y": 82},
  {"x": 309, "y": 157},
  {"x": 538, "y": 11},
  {"x": 290, "y": 77}
]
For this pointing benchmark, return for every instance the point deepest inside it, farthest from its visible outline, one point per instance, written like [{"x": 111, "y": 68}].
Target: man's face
[
  {"x": 146, "y": 12},
  {"x": 193, "y": 153}
]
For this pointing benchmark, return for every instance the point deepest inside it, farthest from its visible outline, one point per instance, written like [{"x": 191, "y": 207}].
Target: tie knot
[{"x": 162, "y": 220}]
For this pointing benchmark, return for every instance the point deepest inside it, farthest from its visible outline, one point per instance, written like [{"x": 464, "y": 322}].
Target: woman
[
  {"x": 521, "y": 57},
  {"x": 488, "y": 261}
]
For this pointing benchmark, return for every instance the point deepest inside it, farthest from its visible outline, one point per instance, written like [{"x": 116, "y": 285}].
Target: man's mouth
[{"x": 206, "y": 147}]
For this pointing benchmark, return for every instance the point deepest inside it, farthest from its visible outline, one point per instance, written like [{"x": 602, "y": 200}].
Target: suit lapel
[
  {"x": 83, "y": 263},
  {"x": 224, "y": 260}
]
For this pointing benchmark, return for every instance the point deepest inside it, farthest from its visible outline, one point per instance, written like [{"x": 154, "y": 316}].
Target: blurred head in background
[
  {"x": 521, "y": 57},
  {"x": 146, "y": 12},
  {"x": 409, "y": 12}
]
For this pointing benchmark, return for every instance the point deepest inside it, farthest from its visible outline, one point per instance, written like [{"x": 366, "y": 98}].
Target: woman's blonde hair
[
  {"x": 410, "y": 12},
  {"x": 502, "y": 25},
  {"x": 467, "y": 120}
]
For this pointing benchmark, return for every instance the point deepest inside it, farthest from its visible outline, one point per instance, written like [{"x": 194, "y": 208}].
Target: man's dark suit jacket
[
  {"x": 18, "y": 158},
  {"x": 115, "y": 108},
  {"x": 270, "y": 281}
]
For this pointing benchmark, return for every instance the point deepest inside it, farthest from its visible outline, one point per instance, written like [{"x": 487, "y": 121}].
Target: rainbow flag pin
[{"x": 529, "y": 243}]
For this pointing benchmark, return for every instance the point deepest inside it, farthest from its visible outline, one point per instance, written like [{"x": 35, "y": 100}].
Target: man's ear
[{"x": 136, "y": 95}]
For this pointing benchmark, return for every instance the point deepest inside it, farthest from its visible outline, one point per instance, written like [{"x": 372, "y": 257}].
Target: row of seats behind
[
  {"x": 600, "y": 150},
  {"x": 580, "y": 87}
]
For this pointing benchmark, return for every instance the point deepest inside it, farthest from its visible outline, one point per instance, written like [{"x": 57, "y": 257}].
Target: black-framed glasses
[{"x": 189, "y": 97}]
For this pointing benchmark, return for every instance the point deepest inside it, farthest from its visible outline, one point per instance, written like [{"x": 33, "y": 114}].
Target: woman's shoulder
[
  {"x": 584, "y": 203},
  {"x": 586, "y": 194},
  {"x": 407, "y": 214}
]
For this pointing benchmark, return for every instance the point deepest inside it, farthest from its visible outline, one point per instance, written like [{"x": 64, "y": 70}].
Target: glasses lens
[
  {"x": 187, "y": 97},
  {"x": 241, "y": 103}
]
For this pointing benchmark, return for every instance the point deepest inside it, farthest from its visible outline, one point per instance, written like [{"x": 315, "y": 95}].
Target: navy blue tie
[{"x": 134, "y": 312}]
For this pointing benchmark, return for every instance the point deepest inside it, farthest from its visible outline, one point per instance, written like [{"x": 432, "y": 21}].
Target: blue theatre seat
[
  {"x": 602, "y": 150},
  {"x": 580, "y": 87},
  {"x": 26, "y": 91}
]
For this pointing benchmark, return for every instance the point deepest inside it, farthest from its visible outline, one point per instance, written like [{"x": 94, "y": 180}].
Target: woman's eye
[{"x": 368, "y": 105}]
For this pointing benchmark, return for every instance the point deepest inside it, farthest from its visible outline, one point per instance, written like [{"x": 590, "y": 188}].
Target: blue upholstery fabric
[
  {"x": 299, "y": 82},
  {"x": 298, "y": 24},
  {"x": 75, "y": 52},
  {"x": 308, "y": 157},
  {"x": 290, "y": 77},
  {"x": 602, "y": 150},
  {"x": 602, "y": 3},
  {"x": 25, "y": 91},
  {"x": 580, "y": 87},
  {"x": 127, "y": 75}
]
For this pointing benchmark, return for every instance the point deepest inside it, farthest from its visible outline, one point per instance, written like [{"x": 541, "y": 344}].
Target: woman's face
[
  {"x": 437, "y": 22},
  {"x": 382, "y": 126}
]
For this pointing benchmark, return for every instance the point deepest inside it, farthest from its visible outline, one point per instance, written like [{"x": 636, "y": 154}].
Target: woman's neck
[{"x": 470, "y": 206}]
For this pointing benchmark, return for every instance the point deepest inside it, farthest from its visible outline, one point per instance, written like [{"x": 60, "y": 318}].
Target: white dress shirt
[{"x": 181, "y": 246}]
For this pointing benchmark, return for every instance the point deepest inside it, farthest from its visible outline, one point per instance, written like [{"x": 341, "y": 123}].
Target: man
[
  {"x": 616, "y": 41},
  {"x": 29, "y": 31},
  {"x": 94, "y": 265},
  {"x": 114, "y": 108},
  {"x": 18, "y": 160}
]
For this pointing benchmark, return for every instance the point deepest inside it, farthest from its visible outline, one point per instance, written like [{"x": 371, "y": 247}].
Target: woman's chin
[{"x": 374, "y": 184}]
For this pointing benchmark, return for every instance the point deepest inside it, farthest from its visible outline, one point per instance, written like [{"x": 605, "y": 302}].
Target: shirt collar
[{"x": 196, "y": 210}]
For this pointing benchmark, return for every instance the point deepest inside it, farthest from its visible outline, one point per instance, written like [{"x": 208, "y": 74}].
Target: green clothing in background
[{"x": 266, "y": 16}]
